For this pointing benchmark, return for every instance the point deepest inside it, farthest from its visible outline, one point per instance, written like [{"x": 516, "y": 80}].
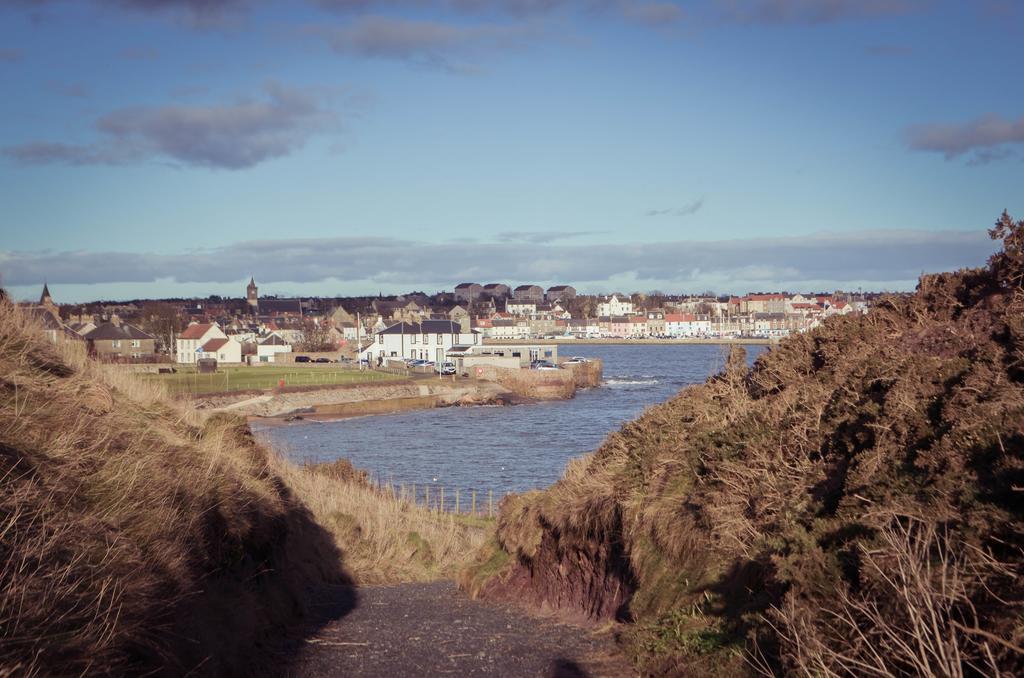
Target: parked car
[
  {"x": 543, "y": 365},
  {"x": 302, "y": 359},
  {"x": 322, "y": 360},
  {"x": 446, "y": 368},
  {"x": 576, "y": 359}
]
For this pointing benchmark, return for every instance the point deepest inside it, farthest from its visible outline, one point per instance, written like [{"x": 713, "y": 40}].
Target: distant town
[{"x": 254, "y": 329}]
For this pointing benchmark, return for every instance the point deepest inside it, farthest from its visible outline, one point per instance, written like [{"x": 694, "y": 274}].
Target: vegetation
[
  {"x": 851, "y": 505},
  {"x": 263, "y": 378},
  {"x": 138, "y": 537}
]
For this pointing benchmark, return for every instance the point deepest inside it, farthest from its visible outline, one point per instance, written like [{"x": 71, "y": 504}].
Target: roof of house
[
  {"x": 462, "y": 286},
  {"x": 679, "y": 317},
  {"x": 280, "y": 306},
  {"x": 195, "y": 331},
  {"x": 494, "y": 286},
  {"x": 559, "y": 288},
  {"x": 45, "y": 317},
  {"x": 213, "y": 344},
  {"x": 273, "y": 340},
  {"x": 523, "y": 288},
  {"x": 425, "y": 327},
  {"x": 112, "y": 332}
]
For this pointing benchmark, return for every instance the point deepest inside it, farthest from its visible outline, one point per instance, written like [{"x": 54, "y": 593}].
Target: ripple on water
[{"x": 505, "y": 448}]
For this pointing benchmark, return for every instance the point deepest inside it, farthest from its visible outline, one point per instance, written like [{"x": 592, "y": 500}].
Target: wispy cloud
[
  {"x": 232, "y": 136},
  {"x": 882, "y": 256},
  {"x": 987, "y": 137},
  {"x": 684, "y": 211},
  {"x": 815, "y": 11},
  {"x": 542, "y": 237},
  {"x": 428, "y": 43},
  {"x": 195, "y": 12}
]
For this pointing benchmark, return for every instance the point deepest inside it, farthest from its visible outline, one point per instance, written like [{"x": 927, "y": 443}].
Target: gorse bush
[{"x": 851, "y": 505}]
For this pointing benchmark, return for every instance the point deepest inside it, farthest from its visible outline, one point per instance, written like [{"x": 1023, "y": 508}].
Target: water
[{"x": 505, "y": 448}]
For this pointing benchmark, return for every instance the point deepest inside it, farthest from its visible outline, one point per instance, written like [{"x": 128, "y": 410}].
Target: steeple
[
  {"x": 252, "y": 294},
  {"x": 45, "y": 297}
]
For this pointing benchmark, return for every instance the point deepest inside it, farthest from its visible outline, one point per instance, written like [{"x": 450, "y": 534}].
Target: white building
[
  {"x": 686, "y": 325},
  {"x": 521, "y": 307},
  {"x": 194, "y": 337},
  {"x": 615, "y": 305},
  {"x": 269, "y": 347},
  {"x": 223, "y": 350},
  {"x": 426, "y": 340}
]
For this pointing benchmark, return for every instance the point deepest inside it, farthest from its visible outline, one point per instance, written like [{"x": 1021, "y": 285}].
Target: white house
[
  {"x": 226, "y": 350},
  {"x": 426, "y": 340},
  {"x": 615, "y": 305},
  {"x": 270, "y": 346},
  {"x": 686, "y": 325},
  {"x": 194, "y": 337},
  {"x": 521, "y": 307}
]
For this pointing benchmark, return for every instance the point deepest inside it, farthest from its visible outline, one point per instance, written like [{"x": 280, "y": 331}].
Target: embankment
[
  {"x": 139, "y": 537},
  {"x": 490, "y": 386},
  {"x": 544, "y": 384},
  {"x": 363, "y": 399},
  {"x": 851, "y": 505}
]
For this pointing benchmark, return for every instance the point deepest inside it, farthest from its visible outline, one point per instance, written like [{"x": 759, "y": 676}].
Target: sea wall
[
  {"x": 586, "y": 375},
  {"x": 361, "y": 400},
  {"x": 533, "y": 384}
]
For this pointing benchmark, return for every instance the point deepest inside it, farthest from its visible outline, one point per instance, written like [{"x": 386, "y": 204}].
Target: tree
[
  {"x": 316, "y": 337},
  {"x": 162, "y": 321}
]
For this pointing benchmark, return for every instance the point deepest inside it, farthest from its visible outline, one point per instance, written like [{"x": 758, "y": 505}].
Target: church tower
[{"x": 252, "y": 295}]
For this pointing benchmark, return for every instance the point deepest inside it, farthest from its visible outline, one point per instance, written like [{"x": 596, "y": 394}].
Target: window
[
  {"x": 115, "y": 344},
  {"x": 380, "y": 338},
  {"x": 412, "y": 339},
  {"x": 439, "y": 342},
  {"x": 426, "y": 339},
  {"x": 136, "y": 343}
]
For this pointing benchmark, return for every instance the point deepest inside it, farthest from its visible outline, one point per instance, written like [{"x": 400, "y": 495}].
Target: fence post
[
  {"x": 457, "y": 507},
  {"x": 441, "y": 505},
  {"x": 426, "y": 496},
  {"x": 490, "y": 503},
  {"x": 473, "y": 510},
  {"x": 414, "y": 497}
]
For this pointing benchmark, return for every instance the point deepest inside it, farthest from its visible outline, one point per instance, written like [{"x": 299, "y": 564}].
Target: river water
[{"x": 505, "y": 449}]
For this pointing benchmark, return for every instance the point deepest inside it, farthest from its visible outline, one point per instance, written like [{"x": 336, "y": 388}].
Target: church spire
[{"x": 45, "y": 296}]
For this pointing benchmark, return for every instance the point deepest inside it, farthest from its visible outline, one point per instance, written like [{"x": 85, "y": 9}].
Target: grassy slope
[
  {"x": 852, "y": 504},
  {"x": 136, "y": 536},
  {"x": 264, "y": 377}
]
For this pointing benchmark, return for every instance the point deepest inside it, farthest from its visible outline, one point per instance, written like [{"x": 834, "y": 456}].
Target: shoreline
[{"x": 561, "y": 341}]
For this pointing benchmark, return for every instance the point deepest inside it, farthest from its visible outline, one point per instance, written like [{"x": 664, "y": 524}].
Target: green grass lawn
[{"x": 263, "y": 378}]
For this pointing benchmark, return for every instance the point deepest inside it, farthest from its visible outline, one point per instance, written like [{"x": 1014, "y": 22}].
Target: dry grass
[
  {"x": 384, "y": 539},
  {"x": 137, "y": 536},
  {"x": 757, "y": 510}
]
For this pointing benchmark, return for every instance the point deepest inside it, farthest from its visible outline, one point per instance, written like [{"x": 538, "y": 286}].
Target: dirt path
[{"x": 433, "y": 629}]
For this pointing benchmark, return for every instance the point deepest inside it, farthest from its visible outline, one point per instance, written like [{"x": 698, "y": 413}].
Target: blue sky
[{"x": 174, "y": 147}]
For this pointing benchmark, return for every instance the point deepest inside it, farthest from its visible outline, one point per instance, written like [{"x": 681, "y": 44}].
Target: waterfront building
[{"x": 426, "y": 340}]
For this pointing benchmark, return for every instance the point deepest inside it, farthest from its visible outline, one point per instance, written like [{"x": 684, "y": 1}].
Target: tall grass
[{"x": 137, "y": 536}]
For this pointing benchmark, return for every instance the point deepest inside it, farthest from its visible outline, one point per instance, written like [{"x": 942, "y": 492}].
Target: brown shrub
[{"x": 771, "y": 507}]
